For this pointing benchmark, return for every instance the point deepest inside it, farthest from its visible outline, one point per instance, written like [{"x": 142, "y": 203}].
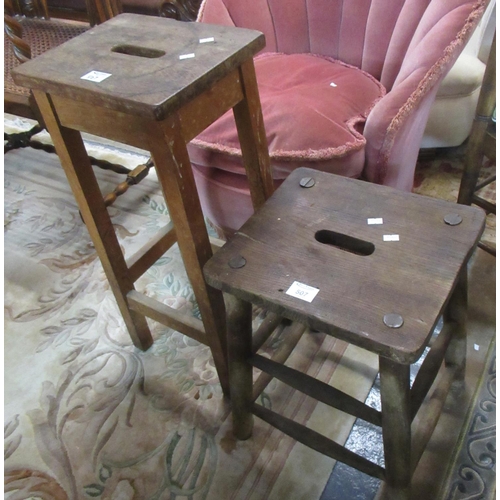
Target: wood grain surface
[
  {"x": 359, "y": 283},
  {"x": 142, "y": 55}
]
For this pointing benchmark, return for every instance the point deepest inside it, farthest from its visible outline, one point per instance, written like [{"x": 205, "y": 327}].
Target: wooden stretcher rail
[
  {"x": 317, "y": 389},
  {"x": 481, "y": 185},
  {"x": 430, "y": 367},
  {"x": 318, "y": 442},
  {"x": 484, "y": 204},
  {"x": 192, "y": 327},
  {"x": 265, "y": 330},
  {"x": 425, "y": 423},
  {"x": 145, "y": 257},
  {"x": 293, "y": 334}
]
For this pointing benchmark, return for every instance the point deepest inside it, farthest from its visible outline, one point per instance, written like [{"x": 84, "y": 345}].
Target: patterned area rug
[
  {"x": 87, "y": 415},
  {"x": 473, "y": 471}
]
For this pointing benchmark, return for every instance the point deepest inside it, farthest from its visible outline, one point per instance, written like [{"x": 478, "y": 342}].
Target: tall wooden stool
[
  {"x": 370, "y": 265},
  {"x": 155, "y": 84}
]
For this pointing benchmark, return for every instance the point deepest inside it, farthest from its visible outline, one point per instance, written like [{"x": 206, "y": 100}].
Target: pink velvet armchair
[{"x": 345, "y": 86}]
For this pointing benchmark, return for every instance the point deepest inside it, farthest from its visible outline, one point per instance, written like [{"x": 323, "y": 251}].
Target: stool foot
[
  {"x": 396, "y": 427},
  {"x": 139, "y": 331}
]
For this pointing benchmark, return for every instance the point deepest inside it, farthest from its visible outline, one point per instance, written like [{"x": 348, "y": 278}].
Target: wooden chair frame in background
[
  {"x": 98, "y": 11},
  {"x": 25, "y": 106},
  {"x": 482, "y": 142}
]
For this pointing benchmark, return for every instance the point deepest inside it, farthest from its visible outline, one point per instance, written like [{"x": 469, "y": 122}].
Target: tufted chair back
[
  {"x": 376, "y": 36},
  {"x": 408, "y": 46}
]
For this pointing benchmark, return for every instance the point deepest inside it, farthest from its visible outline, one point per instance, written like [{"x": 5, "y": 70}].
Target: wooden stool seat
[
  {"x": 368, "y": 264},
  {"x": 155, "y": 84}
]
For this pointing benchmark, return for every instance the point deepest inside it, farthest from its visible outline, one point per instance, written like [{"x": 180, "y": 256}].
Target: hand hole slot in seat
[
  {"x": 134, "y": 50},
  {"x": 344, "y": 242}
]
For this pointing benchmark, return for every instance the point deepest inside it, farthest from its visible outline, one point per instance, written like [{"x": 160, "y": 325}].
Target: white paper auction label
[
  {"x": 391, "y": 237},
  {"x": 375, "y": 220},
  {"x": 95, "y": 76},
  {"x": 302, "y": 292}
]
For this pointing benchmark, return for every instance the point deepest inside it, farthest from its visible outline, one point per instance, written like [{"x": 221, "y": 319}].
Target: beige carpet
[{"x": 89, "y": 416}]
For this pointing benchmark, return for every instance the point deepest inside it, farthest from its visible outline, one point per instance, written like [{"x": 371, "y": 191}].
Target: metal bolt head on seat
[
  {"x": 307, "y": 182},
  {"x": 453, "y": 219},
  {"x": 393, "y": 320}
]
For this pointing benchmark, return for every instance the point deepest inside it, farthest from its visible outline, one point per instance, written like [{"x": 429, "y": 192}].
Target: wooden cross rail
[
  {"x": 292, "y": 335},
  {"x": 168, "y": 316},
  {"x": 317, "y": 389},
  {"x": 430, "y": 367},
  {"x": 144, "y": 258},
  {"x": 431, "y": 374},
  {"x": 318, "y": 442},
  {"x": 424, "y": 424},
  {"x": 265, "y": 330}
]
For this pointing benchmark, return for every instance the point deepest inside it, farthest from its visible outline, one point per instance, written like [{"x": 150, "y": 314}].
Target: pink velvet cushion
[{"x": 308, "y": 121}]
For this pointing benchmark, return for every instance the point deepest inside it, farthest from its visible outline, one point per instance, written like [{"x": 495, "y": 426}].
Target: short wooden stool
[
  {"x": 370, "y": 265},
  {"x": 153, "y": 83}
]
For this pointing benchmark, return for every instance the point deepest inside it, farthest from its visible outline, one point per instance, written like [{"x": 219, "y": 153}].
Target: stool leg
[
  {"x": 396, "y": 427},
  {"x": 252, "y": 136},
  {"x": 76, "y": 164},
  {"x": 457, "y": 312},
  {"x": 175, "y": 174},
  {"x": 239, "y": 334}
]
